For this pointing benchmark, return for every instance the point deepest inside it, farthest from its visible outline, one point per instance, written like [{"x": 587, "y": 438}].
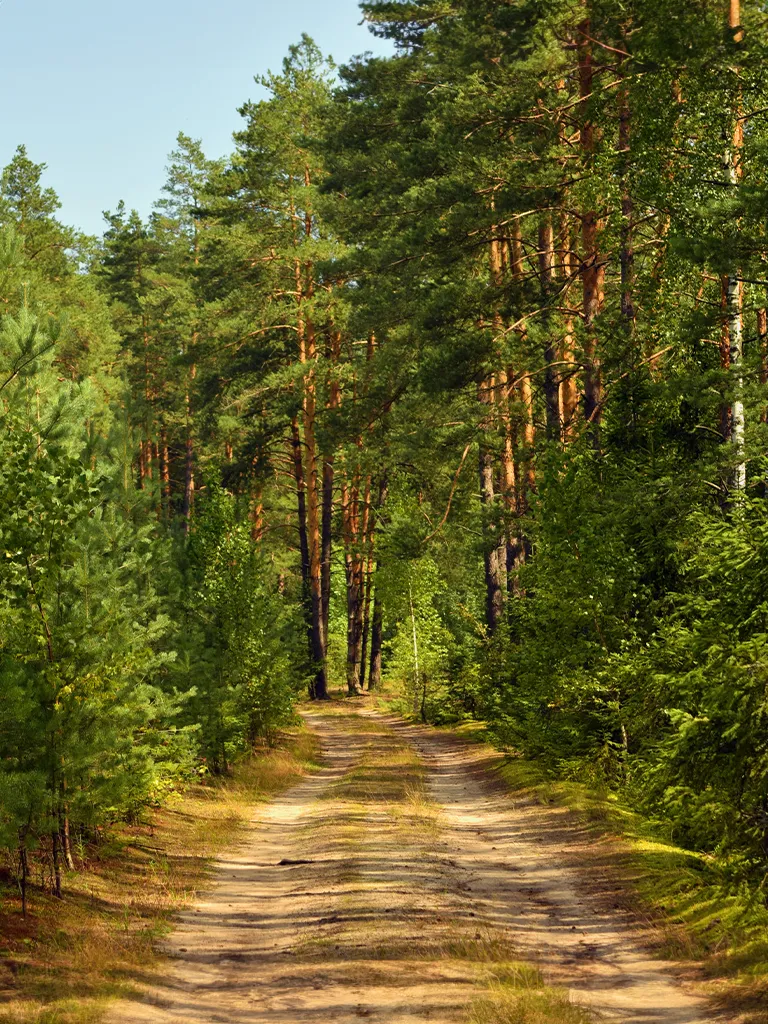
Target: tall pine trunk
[
  {"x": 593, "y": 269},
  {"x": 356, "y": 519},
  {"x": 358, "y": 543},
  {"x": 23, "y": 871},
  {"x": 514, "y": 556},
  {"x": 327, "y": 540},
  {"x": 189, "y": 482},
  {"x": 546, "y": 275},
  {"x": 377, "y": 619},
  {"x": 301, "y": 503},
  {"x": 568, "y": 394},
  {"x": 377, "y": 641},
  {"x": 189, "y": 463},
  {"x": 305, "y": 290},
  {"x": 363, "y": 555},
  {"x": 55, "y": 853},
  {"x": 313, "y": 522},
  {"x": 334, "y": 401},
  {"x": 64, "y": 829},
  {"x": 366, "y": 622},
  {"x": 165, "y": 471},
  {"x": 494, "y": 591}
]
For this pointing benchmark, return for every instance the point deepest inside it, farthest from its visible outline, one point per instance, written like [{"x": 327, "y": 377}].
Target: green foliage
[
  {"x": 85, "y": 733},
  {"x": 706, "y": 672},
  {"x": 630, "y": 651},
  {"x": 116, "y": 685},
  {"x": 239, "y": 638},
  {"x": 418, "y": 652}
]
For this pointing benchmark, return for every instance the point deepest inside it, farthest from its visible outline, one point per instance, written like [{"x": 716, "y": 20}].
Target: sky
[{"x": 99, "y": 89}]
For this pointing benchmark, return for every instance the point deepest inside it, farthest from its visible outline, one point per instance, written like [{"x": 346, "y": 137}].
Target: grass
[
  {"x": 65, "y": 962},
  {"x": 389, "y": 773},
  {"x": 506, "y": 1004},
  {"x": 516, "y": 994}
]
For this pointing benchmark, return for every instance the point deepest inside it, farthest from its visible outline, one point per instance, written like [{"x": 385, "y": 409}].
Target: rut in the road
[{"x": 394, "y": 885}]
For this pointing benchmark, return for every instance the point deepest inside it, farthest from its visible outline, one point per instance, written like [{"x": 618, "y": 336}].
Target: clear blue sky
[{"x": 99, "y": 89}]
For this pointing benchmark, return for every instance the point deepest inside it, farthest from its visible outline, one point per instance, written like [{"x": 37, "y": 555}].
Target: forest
[{"x": 451, "y": 379}]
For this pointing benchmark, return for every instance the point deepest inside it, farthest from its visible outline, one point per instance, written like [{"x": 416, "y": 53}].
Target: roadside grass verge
[{"x": 65, "y": 962}]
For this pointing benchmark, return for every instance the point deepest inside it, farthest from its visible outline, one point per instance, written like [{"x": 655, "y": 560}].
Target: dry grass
[
  {"x": 388, "y": 773},
  {"x": 67, "y": 959},
  {"x": 516, "y": 994},
  {"x": 504, "y": 1004},
  {"x": 346, "y": 710},
  {"x": 489, "y": 950},
  {"x": 418, "y": 815}
]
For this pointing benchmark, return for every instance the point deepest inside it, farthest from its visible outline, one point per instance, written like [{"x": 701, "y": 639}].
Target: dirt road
[{"x": 398, "y": 884}]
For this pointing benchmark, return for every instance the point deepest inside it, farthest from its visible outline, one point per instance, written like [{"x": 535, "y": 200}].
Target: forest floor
[{"x": 403, "y": 882}]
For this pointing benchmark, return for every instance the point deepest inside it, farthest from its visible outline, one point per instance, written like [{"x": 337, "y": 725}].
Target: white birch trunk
[{"x": 734, "y": 288}]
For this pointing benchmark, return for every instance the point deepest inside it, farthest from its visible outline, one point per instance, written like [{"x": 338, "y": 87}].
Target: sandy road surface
[{"x": 385, "y": 887}]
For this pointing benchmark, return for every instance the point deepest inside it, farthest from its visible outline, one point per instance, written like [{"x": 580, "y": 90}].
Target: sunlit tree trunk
[
  {"x": 256, "y": 515},
  {"x": 546, "y": 275},
  {"x": 592, "y": 267},
  {"x": 568, "y": 394},
  {"x": 64, "y": 829},
  {"x": 334, "y": 401},
  {"x": 165, "y": 471},
  {"x": 494, "y": 592}
]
